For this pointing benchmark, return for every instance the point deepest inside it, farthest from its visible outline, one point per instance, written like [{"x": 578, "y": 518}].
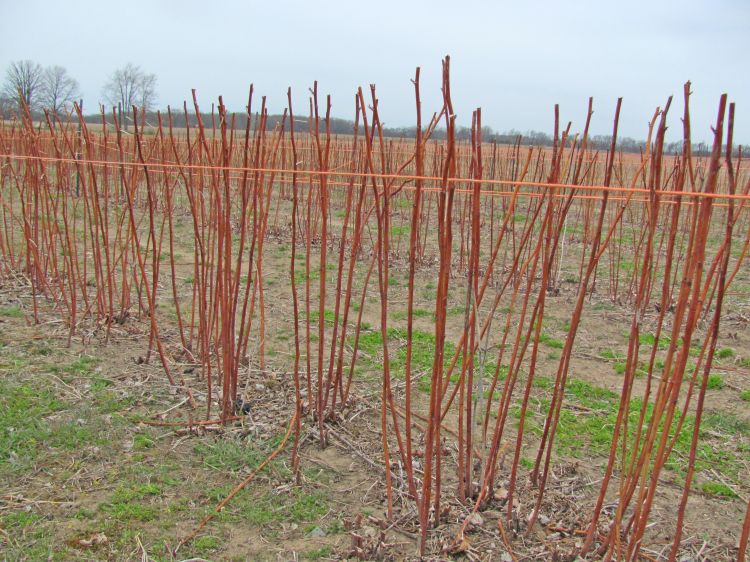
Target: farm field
[{"x": 229, "y": 344}]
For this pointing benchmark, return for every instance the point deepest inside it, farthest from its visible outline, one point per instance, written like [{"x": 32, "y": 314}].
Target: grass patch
[
  {"x": 233, "y": 456},
  {"x": 589, "y": 414},
  {"x": 328, "y": 316},
  {"x": 129, "y": 503},
  {"x": 621, "y": 366},
  {"x": 269, "y": 508},
  {"x": 19, "y": 520},
  {"x": 649, "y": 339},
  {"x": 11, "y": 312},
  {"x": 318, "y": 553},
  {"x": 23, "y": 429},
  {"x": 416, "y": 313},
  {"x": 142, "y": 441},
  {"x": 726, "y": 423},
  {"x": 83, "y": 365},
  {"x": 206, "y": 543},
  {"x": 300, "y": 275},
  {"x": 422, "y": 357},
  {"x": 550, "y": 341},
  {"x": 715, "y": 382},
  {"x": 611, "y": 355},
  {"x": 718, "y": 489}
]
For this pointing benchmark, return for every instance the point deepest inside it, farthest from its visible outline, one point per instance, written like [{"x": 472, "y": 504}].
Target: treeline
[{"x": 346, "y": 127}]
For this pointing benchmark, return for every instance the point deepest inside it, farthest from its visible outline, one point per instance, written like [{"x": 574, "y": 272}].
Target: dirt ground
[{"x": 85, "y": 478}]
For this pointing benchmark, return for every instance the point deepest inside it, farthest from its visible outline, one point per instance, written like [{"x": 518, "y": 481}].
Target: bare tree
[
  {"x": 129, "y": 86},
  {"x": 22, "y": 81},
  {"x": 6, "y": 106},
  {"x": 148, "y": 91},
  {"x": 58, "y": 88}
]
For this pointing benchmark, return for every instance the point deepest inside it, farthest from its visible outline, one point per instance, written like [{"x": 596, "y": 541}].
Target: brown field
[{"x": 151, "y": 358}]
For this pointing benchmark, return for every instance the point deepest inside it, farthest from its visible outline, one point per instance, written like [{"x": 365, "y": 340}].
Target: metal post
[{"x": 78, "y": 151}]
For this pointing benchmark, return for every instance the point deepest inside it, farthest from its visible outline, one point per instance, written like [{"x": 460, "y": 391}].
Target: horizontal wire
[{"x": 385, "y": 176}]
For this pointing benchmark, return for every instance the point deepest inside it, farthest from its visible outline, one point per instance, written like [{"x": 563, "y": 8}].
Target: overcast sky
[{"x": 514, "y": 59}]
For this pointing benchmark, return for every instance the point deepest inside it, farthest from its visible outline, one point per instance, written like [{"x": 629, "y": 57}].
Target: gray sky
[{"x": 513, "y": 59}]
